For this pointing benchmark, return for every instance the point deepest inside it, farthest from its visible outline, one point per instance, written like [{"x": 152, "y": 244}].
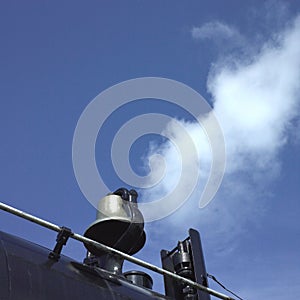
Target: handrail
[{"x": 100, "y": 246}]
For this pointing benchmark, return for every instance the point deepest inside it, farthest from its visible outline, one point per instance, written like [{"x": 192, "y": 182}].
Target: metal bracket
[
  {"x": 186, "y": 260},
  {"x": 61, "y": 240}
]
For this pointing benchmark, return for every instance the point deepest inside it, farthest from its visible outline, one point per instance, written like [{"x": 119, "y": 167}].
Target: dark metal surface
[
  {"x": 26, "y": 273},
  {"x": 186, "y": 260},
  {"x": 87, "y": 241},
  {"x": 61, "y": 240},
  {"x": 198, "y": 262},
  {"x": 139, "y": 278}
]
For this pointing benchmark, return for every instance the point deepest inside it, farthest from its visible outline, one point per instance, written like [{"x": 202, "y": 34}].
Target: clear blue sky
[{"x": 56, "y": 56}]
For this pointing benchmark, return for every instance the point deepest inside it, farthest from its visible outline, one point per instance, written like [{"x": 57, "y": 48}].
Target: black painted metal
[
  {"x": 198, "y": 262},
  {"x": 186, "y": 260},
  {"x": 139, "y": 278},
  {"x": 61, "y": 240},
  {"x": 28, "y": 274},
  {"x": 190, "y": 284}
]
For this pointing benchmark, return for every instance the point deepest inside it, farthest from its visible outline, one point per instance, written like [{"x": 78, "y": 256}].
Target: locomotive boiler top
[{"x": 28, "y": 274}]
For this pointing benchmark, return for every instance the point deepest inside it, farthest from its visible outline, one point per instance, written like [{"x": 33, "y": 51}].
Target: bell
[{"x": 119, "y": 224}]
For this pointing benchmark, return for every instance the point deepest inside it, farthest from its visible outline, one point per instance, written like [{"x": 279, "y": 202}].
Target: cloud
[
  {"x": 256, "y": 100},
  {"x": 218, "y": 32},
  {"x": 296, "y": 133}
]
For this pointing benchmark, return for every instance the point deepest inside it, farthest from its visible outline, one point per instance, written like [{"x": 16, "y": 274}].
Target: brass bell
[{"x": 119, "y": 223}]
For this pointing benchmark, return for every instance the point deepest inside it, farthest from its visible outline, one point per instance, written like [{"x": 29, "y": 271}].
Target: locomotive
[{"x": 32, "y": 272}]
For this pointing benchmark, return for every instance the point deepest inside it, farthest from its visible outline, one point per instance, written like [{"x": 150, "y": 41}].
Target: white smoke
[{"x": 256, "y": 100}]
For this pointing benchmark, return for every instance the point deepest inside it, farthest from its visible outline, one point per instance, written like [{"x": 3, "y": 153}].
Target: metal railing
[{"x": 100, "y": 246}]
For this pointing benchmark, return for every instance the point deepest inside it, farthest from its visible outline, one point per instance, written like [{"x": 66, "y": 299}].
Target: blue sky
[{"x": 243, "y": 57}]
